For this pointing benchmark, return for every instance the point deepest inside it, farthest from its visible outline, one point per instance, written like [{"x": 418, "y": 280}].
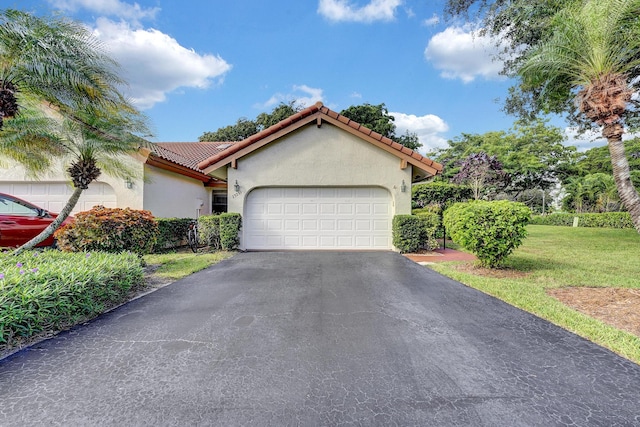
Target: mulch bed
[{"x": 619, "y": 307}]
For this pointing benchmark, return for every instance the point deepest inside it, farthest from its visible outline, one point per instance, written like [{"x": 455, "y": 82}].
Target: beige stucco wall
[
  {"x": 325, "y": 156},
  {"x": 167, "y": 194}
]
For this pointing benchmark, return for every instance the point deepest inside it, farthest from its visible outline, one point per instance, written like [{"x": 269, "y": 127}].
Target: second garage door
[
  {"x": 53, "y": 196},
  {"x": 318, "y": 218}
]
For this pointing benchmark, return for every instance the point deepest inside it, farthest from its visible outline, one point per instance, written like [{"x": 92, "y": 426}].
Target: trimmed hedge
[
  {"x": 109, "y": 230},
  {"x": 230, "y": 225},
  {"x": 491, "y": 230},
  {"x": 209, "y": 231},
  {"x": 53, "y": 290},
  {"x": 171, "y": 233},
  {"x": 216, "y": 231},
  {"x": 601, "y": 220},
  {"x": 408, "y": 233},
  {"x": 412, "y": 233}
]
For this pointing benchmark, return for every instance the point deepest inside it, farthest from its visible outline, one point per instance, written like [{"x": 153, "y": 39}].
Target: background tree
[
  {"x": 598, "y": 159},
  {"x": 378, "y": 119},
  {"x": 244, "y": 127},
  {"x": 483, "y": 173},
  {"x": 591, "y": 193},
  {"x": 531, "y": 153},
  {"x": 374, "y": 117}
]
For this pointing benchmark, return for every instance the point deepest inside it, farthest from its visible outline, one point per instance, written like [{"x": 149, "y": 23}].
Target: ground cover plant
[
  {"x": 570, "y": 260},
  {"x": 51, "y": 290},
  {"x": 42, "y": 293}
]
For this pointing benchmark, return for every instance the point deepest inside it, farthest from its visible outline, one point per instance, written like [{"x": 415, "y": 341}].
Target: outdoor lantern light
[
  {"x": 128, "y": 183},
  {"x": 237, "y": 186},
  {"x": 403, "y": 187}
]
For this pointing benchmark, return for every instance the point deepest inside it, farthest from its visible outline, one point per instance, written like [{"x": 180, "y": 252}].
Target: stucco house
[{"x": 316, "y": 180}]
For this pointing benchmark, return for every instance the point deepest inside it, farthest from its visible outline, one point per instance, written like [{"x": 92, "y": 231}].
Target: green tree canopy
[
  {"x": 375, "y": 117},
  {"x": 244, "y": 127},
  {"x": 378, "y": 119},
  {"x": 531, "y": 153}
]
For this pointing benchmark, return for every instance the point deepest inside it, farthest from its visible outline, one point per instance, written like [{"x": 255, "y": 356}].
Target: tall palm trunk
[
  {"x": 627, "y": 192},
  {"x": 64, "y": 214}
]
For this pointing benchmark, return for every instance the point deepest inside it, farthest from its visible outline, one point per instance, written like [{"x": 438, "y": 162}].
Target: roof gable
[{"x": 317, "y": 113}]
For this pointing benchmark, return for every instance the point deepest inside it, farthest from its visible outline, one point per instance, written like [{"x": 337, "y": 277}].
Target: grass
[
  {"x": 176, "y": 265},
  {"x": 556, "y": 257}
]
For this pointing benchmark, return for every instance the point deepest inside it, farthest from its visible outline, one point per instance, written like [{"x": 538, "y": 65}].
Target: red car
[{"x": 21, "y": 221}]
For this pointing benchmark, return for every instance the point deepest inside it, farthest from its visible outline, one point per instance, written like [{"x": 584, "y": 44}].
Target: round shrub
[
  {"x": 109, "y": 230},
  {"x": 491, "y": 230}
]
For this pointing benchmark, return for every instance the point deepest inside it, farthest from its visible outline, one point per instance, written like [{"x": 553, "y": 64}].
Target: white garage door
[
  {"x": 52, "y": 196},
  {"x": 318, "y": 218}
]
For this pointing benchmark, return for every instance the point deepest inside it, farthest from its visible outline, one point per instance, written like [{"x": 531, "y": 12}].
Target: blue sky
[{"x": 197, "y": 65}]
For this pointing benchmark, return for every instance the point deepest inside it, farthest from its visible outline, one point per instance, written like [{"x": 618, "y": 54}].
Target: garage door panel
[
  {"x": 309, "y": 225},
  {"x": 345, "y": 208},
  {"x": 318, "y": 218},
  {"x": 292, "y": 225},
  {"x": 53, "y": 196}
]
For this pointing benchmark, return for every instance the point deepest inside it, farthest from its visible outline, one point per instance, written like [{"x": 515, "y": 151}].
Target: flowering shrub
[
  {"x": 109, "y": 230},
  {"x": 52, "y": 290}
]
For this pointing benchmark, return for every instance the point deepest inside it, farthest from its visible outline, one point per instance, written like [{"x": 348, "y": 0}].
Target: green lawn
[
  {"x": 556, "y": 257},
  {"x": 176, "y": 265}
]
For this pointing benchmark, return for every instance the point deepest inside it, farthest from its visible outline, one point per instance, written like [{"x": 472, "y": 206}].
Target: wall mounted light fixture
[
  {"x": 128, "y": 183},
  {"x": 403, "y": 187},
  {"x": 236, "y": 186}
]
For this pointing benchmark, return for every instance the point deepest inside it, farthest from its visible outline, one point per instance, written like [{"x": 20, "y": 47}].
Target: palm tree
[
  {"x": 91, "y": 142},
  {"x": 590, "y": 57},
  {"x": 55, "y": 60},
  {"x": 59, "y": 99}
]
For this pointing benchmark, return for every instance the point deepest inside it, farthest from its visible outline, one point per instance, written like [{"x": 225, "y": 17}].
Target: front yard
[{"x": 596, "y": 270}]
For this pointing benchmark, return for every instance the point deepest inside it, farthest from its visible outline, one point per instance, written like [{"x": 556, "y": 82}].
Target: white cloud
[
  {"x": 303, "y": 95},
  {"x": 461, "y": 53},
  {"x": 430, "y": 22},
  {"x": 155, "y": 64},
  {"x": 427, "y": 127},
  {"x": 130, "y": 12},
  {"x": 343, "y": 10}
]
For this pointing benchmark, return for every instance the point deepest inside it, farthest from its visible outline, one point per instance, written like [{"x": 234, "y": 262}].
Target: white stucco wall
[
  {"x": 326, "y": 156},
  {"x": 167, "y": 194}
]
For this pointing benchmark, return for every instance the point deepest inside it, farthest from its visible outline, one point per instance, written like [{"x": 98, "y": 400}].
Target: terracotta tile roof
[
  {"x": 184, "y": 158},
  {"x": 158, "y": 150},
  {"x": 320, "y": 111},
  {"x": 195, "y": 152}
]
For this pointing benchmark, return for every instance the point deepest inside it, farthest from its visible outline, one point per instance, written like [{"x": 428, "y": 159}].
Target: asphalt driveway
[{"x": 318, "y": 338}]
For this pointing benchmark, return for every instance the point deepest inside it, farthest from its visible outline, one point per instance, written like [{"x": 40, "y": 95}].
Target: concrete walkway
[{"x": 318, "y": 338}]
